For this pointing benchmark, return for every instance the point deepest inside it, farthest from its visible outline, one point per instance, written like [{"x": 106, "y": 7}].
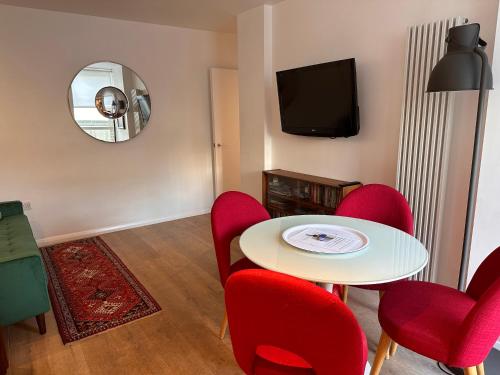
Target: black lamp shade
[{"x": 460, "y": 67}]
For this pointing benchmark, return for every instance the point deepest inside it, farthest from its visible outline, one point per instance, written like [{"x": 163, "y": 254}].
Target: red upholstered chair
[
  {"x": 441, "y": 323},
  {"x": 232, "y": 213},
  {"x": 281, "y": 325},
  {"x": 382, "y": 204},
  {"x": 379, "y": 203}
]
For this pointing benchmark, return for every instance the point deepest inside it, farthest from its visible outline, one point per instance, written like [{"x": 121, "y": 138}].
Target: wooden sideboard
[{"x": 286, "y": 193}]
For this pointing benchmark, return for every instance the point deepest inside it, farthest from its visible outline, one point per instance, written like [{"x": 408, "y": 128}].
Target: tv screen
[{"x": 319, "y": 100}]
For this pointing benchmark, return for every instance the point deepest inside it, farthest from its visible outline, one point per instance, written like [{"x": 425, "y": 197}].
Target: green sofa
[{"x": 23, "y": 282}]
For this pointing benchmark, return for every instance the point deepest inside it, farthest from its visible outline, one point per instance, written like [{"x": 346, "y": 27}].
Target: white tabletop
[{"x": 391, "y": 255}]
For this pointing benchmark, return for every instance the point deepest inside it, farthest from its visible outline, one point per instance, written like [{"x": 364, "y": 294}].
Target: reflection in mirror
[{"x": 109, "y": 102}]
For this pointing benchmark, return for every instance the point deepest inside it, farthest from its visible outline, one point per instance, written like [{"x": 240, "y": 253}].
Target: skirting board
[{"x": 48, "y": 241}]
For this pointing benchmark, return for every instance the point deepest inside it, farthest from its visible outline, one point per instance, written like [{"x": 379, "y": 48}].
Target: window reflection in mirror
[{"x": 85, "y": 91}]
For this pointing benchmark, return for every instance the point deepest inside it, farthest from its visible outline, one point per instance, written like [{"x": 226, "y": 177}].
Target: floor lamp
[{"x": 465, "y": 67}]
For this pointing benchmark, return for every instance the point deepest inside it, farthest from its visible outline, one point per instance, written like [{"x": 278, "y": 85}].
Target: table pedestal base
[{"x": 326, "y": 286}]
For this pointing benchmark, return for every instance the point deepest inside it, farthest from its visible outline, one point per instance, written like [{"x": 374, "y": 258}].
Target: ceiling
[{"x": 215, "y": 15}]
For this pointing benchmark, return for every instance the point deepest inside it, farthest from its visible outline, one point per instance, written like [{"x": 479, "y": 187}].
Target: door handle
[{"x": 217, "y": 145}]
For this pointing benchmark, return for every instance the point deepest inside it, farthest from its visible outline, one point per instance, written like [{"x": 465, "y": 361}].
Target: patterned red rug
[{"x": 92, "y": 290}]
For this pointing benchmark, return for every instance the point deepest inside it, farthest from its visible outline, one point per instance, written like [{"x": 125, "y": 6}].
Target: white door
[{"x": 225, "y": 129}]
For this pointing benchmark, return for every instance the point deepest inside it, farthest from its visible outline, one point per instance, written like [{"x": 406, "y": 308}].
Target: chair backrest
[
  {"x": 486, "y": 274},
  {"x": 481, "y": 328},
  {"x": 380, "y": 203},
  {"x": 232, "y": 213},
  {"x": 272, "y": 310}
]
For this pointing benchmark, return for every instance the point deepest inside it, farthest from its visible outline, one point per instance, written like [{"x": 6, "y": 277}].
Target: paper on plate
[{"x": 337, "y": 241}]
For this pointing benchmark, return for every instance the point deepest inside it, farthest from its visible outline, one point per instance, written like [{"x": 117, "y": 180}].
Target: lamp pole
[
  {"x": 473, "y": 182},
  {"x": 465, "y": 67},
  {"x": 474, "y": 176}
]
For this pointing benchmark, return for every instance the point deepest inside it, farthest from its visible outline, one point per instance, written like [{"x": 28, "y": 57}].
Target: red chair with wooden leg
[
  {"x": 441, "y": 323},
  {"x": 384, "y": 205},
  {"x": 379, "y": 203},
  {"x": 232, "y": 213},
  {"x": 281, "y": 325}
]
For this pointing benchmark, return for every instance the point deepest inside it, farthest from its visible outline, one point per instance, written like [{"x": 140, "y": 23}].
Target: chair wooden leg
[
  {"x": 4, "y": 362},
  {"x": 393, "y": 349},
  {"x": 388, "y": 354},
  {"x": 470, "y": 371},
  {"x": 383, "y": 346},
  {"x": 480, "y": 369},
  {"x": 223, "y": 326},
  {"x": 345, "y": 292},
  {"x": 40, "y": 321}
]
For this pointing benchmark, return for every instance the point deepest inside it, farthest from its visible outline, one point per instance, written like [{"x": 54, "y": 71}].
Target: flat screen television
[{"x": 319, "y": 100}]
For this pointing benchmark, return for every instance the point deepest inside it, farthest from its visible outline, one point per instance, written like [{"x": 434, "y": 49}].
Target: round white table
[{"x": 391, "y": 254}]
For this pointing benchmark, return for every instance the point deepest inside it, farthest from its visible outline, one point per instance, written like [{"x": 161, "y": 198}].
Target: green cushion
[
  {"x": 11, "y": 208},
  {"x": 23, "y": 282},
  {"x": 23, "y": 290},
  {"x": 16, "y": 239}
]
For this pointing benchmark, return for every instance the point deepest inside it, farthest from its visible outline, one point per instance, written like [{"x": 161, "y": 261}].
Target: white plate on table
[{"x": 338, "y": 240}]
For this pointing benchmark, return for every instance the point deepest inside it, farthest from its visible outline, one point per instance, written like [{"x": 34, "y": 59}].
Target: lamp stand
[{"x": 474, "y": 176}]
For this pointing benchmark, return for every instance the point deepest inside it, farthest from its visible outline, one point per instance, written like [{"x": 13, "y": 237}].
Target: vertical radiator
[{"x": 423, "y": 144}]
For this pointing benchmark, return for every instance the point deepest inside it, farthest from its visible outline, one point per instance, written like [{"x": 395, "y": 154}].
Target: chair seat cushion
[
  {"x": 383, "y": 286},
  {"x": 271, "y": 360},
  {"x": 275, "y": 361},
  {"x": 242, "y": 264},
  {"x": 424, "y": 317}
]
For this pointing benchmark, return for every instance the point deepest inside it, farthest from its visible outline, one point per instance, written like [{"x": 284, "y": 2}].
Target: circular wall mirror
[{"x": 109, "y": 102}]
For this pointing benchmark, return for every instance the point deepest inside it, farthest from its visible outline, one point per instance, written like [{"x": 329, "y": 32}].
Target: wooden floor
[{"x": 176, "y": 263}]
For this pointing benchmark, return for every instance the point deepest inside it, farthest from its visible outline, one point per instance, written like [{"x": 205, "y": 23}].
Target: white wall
[
  {"x": 255, "y": 76},
  {"x": 486, "y": 236},
  {"x": 76, "y": 183},
  {"x": 374, "y": 32}
]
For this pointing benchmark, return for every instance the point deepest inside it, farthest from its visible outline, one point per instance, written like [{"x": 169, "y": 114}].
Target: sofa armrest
[{"x": 11, "y": 208}]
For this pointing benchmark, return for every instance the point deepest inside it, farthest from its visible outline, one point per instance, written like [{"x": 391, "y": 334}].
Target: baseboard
[{"x": 48, "y": 241}]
